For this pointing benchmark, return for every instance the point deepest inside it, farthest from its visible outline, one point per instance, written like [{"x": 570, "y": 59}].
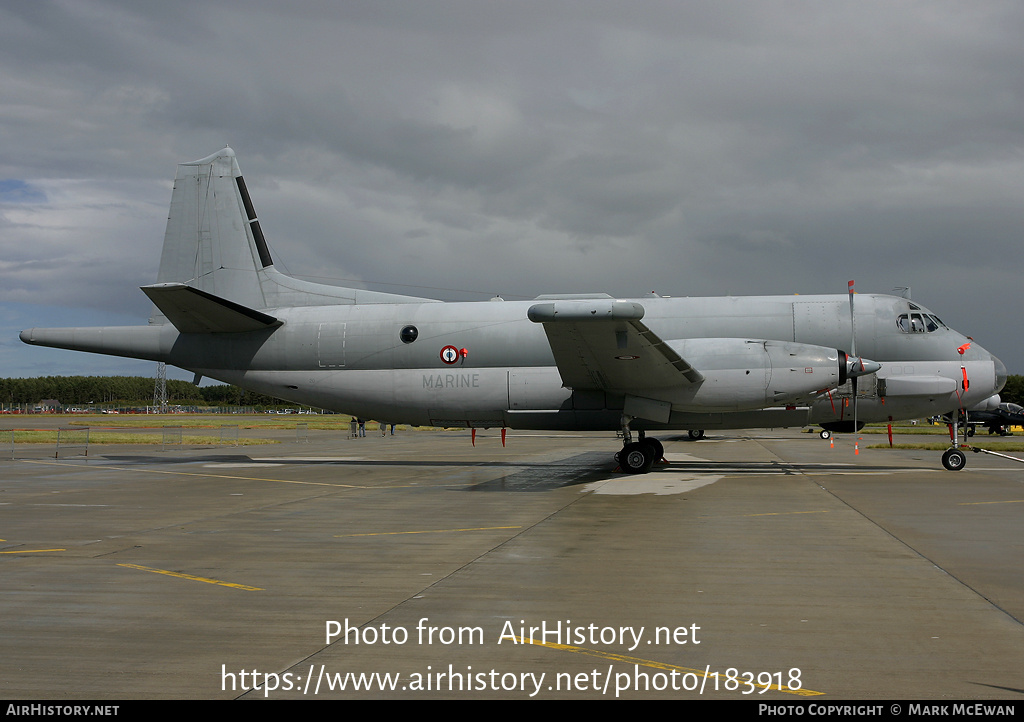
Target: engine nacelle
[{"x": 742, "y": 374}]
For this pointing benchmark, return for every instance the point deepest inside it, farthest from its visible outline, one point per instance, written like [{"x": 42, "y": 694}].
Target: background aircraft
[
  {"x": 997, "y": 417},
  {"x": 584, "y": 362}
]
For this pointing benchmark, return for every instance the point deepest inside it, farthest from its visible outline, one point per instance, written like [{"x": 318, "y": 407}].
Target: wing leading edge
[{"x": 603, "y": 345}]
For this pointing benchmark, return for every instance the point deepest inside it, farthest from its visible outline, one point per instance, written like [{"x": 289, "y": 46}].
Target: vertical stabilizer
[
  {"x": 214, "y": 243},
  {"x": 213, "y": 240}
]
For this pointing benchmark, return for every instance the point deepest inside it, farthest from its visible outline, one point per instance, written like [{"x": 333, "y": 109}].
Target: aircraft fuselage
[{"x": 352, "y": 358}]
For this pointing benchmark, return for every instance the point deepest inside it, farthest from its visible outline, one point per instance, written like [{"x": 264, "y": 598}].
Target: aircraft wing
[{"x": 602, "y": 344}]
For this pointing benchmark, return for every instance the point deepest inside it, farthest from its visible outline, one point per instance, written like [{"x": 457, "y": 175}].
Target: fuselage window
[
  {"x": 918, "y": 323},
  {"x": 910, "y": 323},
  {"x": 408, "y": 334}
]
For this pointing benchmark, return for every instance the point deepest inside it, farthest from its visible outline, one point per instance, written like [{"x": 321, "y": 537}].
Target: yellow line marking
[
  {"x": 978, "y": 503},
  {"x": 785, "y": 513},
  {"x": 767, "y": 513},
  {"x": 426, "y": 531},
  {"x": 193, "y": 578},
  {"x": 29, "y": 551},
  {"x": 657, "y": 665}
]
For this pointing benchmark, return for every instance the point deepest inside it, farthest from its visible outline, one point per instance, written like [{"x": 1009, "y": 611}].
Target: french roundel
[{"x": 450, "y": 355}]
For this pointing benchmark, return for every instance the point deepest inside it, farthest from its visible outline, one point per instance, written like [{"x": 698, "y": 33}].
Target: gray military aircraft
[
  {"x": 560, "y": 362},
  {"x": 997, "y": 417}
]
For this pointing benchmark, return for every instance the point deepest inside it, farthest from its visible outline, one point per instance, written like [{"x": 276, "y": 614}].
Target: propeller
[
  {"x": 852, "y": 367},
  {"x": 853, "y": 379},
  {"x": 856, "y": 366}
]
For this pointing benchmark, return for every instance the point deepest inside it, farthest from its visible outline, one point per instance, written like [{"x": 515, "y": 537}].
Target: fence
[
  {"x": 171, "y": 436},
  {"x": 71, "y": 440},
  {"x": 229, "y": 435}
]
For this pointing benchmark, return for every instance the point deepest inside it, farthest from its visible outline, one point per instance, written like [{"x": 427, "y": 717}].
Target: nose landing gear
[{"x": 954, "y": 459}]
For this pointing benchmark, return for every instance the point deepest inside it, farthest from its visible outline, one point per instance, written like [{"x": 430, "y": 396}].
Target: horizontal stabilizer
[{"x": 191, "y": 310}]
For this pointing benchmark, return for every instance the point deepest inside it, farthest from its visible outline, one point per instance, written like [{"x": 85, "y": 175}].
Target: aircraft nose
[
  {"x": 972, "y": 351},
  {"x": 1000, "y": 374}
]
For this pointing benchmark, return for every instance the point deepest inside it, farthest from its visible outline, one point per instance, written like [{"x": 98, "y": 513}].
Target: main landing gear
[{"x": 637, "y": 457}]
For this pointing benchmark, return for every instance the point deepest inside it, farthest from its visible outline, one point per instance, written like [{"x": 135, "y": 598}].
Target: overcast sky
[{"x": 466, "y": 149}]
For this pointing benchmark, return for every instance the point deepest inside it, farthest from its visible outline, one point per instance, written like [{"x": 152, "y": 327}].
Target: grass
[
  {"x": 936, "y": 446},
  {"x": 921, "y": 430},
  {"x": 212, "y": 421},
  {"x": 268, "y": 422},
  {"x": 148, "y": 428},
  {"x": 49, "y": 436}
]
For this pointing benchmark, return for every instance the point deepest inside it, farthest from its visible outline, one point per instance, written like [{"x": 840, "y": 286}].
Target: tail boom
[{"x": 153, "y": 343}]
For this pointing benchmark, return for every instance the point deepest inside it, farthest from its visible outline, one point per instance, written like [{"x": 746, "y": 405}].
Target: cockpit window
[{"x": 918, "y": 323}]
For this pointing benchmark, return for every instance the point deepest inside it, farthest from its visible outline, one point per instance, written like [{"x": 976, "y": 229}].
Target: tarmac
[{"x": 768, "y": 565}]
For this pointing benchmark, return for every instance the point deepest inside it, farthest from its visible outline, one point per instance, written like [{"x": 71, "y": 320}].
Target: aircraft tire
[
  {"x": 954, "y": 459},
  {"x": 696, "y": 434},
  {"x": 636, "y": 458},
  {"x": 659, "y": 449},
  {"x": 825, "y": 434}
]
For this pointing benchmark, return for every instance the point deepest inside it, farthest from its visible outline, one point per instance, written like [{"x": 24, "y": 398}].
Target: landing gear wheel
[
  {"x": 954, "y": 459},
  {"x": 659, "y": 449},
  {"x": 696, "y": 434},
  {"x": 825, "y": 434},
  {"x": 636, "y": 458}
]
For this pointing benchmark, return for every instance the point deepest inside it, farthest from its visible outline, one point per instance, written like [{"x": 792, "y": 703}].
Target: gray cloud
[{"x": 522, "y": 148}]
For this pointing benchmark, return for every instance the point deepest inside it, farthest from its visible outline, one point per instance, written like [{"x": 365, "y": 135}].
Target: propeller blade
[
  {"x": 853, "y": 352},
  {"x": 853, "y": 330}
]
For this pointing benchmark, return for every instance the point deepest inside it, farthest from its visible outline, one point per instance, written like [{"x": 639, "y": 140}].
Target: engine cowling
[{"x": 743, "y": 374}]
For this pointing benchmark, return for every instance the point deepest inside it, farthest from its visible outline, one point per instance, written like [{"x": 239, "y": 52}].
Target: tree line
[
  {"x": 1013, "y": 392},
  {"x": 124, "y": 390}
]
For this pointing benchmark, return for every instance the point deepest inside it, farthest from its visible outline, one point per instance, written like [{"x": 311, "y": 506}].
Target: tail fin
[
  {"x": 213, "y": 240},
  {"x": 214, "y": 243}
]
